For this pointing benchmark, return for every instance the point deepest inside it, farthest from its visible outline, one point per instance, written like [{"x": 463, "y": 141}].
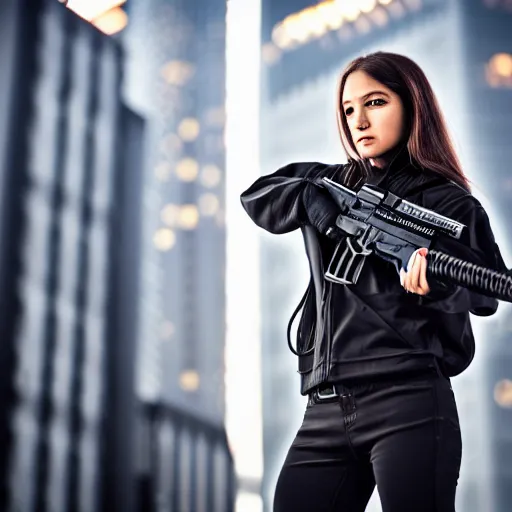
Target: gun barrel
[{"x": 480, "y": 279}]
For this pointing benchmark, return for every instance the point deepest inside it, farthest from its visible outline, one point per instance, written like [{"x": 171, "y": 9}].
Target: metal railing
[{"x": 185, "y": 463}]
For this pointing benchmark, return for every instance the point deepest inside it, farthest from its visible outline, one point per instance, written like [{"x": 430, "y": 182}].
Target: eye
[
  {"x": 378, "y": 102},
  {"x": 349, "y": 111}
]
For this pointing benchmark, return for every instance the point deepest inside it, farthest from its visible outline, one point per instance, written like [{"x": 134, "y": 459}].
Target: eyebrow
[{"x": 368, "y": 94}]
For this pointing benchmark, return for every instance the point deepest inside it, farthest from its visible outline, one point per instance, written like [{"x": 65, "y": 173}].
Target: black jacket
[{"x": 374, "y": 327}]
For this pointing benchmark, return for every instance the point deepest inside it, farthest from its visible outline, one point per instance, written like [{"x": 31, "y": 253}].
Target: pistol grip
[{"x": 347, "y": 262}]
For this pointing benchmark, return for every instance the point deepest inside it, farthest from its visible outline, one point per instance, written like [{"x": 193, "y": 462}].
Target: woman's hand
[{"x": 415, "y": 279}]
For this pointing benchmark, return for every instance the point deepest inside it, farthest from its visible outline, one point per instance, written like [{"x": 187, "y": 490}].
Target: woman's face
[{"x": 375, "y": 117}]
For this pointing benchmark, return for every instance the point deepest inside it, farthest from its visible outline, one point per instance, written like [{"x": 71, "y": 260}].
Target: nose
[{"x": 361, "y": 121}]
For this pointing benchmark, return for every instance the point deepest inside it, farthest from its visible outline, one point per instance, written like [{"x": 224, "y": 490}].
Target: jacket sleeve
[
  {"x": 275, "y": 201},
  {"x": 477, "y": 245}
]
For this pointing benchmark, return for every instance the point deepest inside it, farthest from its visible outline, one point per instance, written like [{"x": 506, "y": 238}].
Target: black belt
[
  {"x": 324, "y": 393},
  {"x": 329, "y": 391}
]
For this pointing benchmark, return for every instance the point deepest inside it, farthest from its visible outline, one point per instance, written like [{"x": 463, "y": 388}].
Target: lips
[{"x": 362, "y": 139}]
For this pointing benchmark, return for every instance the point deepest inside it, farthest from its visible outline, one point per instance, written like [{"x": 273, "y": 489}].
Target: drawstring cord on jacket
[{"x": 288, "y": 330}]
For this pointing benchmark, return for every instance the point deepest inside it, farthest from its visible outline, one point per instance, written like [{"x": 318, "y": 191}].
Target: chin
[
  {"x": 370, "y": 153},
  {"x": 373, "y": 152}
]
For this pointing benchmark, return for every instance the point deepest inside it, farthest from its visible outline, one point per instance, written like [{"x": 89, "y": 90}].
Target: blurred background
[{"x": 144, "y": 363}]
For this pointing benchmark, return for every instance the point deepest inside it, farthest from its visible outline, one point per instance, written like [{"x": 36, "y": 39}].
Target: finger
[
  {"x": 405, "y": 281},
  {"x": 414, "y": 274},
  {"x": 423, "y": 275},
  {"x": 411, "y": 260},
  {"x": 402, "y": 276}
]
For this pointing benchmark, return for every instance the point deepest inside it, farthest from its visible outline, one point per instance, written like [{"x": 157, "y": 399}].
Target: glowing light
[
  {"x": 396, "y": 9},
  {"x": 209, "y": 204},
  {"x": 379, "y": 16},
  {"x": 164, "y": 239},
  {"x": 170, "y": 215},
  {"x": 345, "y": 33},
  {"x": 315, "y": 21},
  {"x": 91, "y": 9},
  {"x": 184, "y": 217},
  {"x": 270, "y": 54},
  {"x": 281, "y": 37},
  {"x": 315, "y": 25},
  {"x": 187, "y": 169},
  {"x": 189, "y": 380},
  {"x": 363, "y": 25},
  {"x": 413, "y": 5},
  {"x": 188, "y": 217},
  {"x": 189, "y": 129},
  {"x": 171, "y": 144},
  {"x": 112, "y": 21},
  {"x": 177, "y": 72},
  {"x": 498, "y": 71},
  {"x": 349, "y": 10},
  {"x": 503, "y": 393},
  {"x": 298, "y": 26},
  {"x": 501, "y": 64},
  {"x": 367, "y": 6},
  {"x": 330, "y": 14},
  {"x": 211, "y": 176}
]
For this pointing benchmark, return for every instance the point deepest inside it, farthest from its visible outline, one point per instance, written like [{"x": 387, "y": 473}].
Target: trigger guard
[{"x": 403, "y": 254}]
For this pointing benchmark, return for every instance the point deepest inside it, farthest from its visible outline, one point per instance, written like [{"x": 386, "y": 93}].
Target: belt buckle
[{"x": 325, "y": 397}]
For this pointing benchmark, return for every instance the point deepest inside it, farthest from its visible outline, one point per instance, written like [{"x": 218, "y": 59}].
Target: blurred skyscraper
[
  {"x": 71, "y": 181},
  {"x": 175, "y": 77},
  {"x": 465, "y": 48},
  {"x": 68, "y": 265}
]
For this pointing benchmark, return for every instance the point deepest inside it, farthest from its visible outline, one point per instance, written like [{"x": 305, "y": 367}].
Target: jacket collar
[{"x": 399, "y": 161}]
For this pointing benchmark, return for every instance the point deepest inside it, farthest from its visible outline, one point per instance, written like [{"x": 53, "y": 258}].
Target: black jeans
[{"x": 402, "y": 436}]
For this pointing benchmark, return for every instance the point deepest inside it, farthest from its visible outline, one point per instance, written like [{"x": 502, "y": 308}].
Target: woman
[{"x": 375, "y": 357}]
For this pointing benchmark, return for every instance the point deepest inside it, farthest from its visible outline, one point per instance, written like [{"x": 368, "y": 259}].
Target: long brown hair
[{"x": 428, "y": 141}]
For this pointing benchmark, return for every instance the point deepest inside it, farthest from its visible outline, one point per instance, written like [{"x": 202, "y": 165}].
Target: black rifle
[{"x": 376, "y": 220}]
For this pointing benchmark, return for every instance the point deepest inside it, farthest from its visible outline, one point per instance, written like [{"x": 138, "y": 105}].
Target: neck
[{"x": 387, "y": 159}]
